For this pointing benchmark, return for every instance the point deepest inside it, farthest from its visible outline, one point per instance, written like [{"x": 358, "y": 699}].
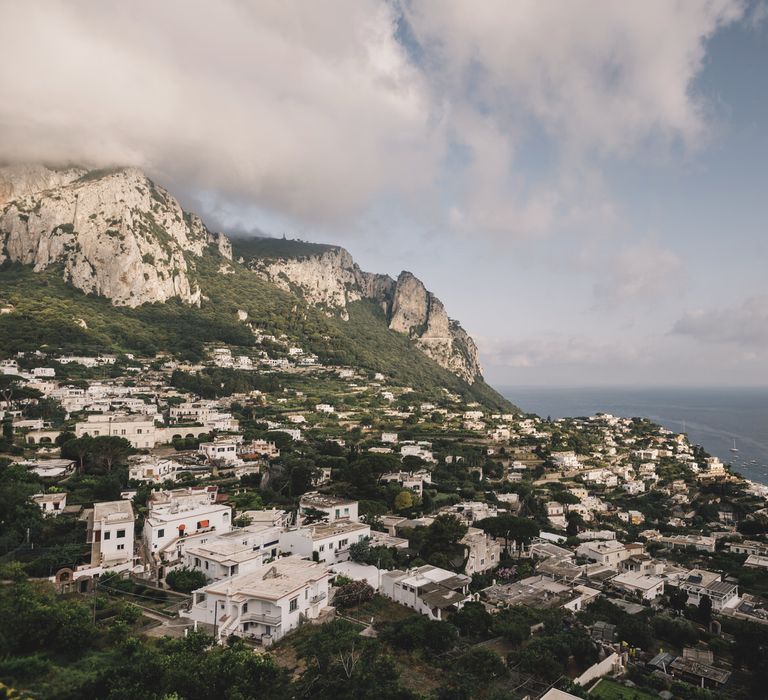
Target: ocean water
[{"x": 712, "y": 418}]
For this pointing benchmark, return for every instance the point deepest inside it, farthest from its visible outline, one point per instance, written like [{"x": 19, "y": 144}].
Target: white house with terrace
[
  {"x": 239, "y": 551},
  {"x": 326, "y": 542},
  {"x": 429, "y": 590},
  {"x": 138, "y": 429},
  {"x": 264, "y": 604},
  {"x": 330, "y": 507}
]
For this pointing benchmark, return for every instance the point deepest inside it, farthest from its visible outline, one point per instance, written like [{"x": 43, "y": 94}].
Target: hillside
[{"x": 107, "y": 260}]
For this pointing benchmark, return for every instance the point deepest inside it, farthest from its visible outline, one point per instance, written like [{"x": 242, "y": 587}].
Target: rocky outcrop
[
  {"x": 114, "y": 233},
  {"x": 332, "y": 280}
]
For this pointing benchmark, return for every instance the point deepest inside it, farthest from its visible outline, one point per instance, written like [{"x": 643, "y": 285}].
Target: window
[
  {"x": 343, "y": 543},
  {"x": 322, "y": 547},
  {"x": 120, "y": 534},
  {"x": 161, "y": 532},
  {"x": 245, "y": 607},
  {"x": 201, "y": 524},
  {"x": 306, "y": 593},
  {"x": 107, "y": 534},
  {"x": 206, "y": 565},
  {"x": 138, "y": 431},
  {"x": 338, "y": 512},
  {"x": 197, "y": 561},
  {"x": 346, "y": 511},
  {"x": 121, "y": 546},
  {"x": 122, "y": 432},
  {"x": 294, "y": 604}
]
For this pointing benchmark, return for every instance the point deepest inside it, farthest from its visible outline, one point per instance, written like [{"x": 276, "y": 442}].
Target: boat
[{"x": 734, "y": 448}]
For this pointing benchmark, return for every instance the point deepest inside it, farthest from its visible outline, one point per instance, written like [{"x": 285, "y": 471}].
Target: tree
[
  {"x": 186, "y": 580},
  {"x": 405, "y": 500},
  {"x": 705, "y": 610},
  {"x": 510, "y": 528},
  {"x": 78, "y": 449},
  {"x": 444, "y": 532},
  {"x": 110, "y": 450}
]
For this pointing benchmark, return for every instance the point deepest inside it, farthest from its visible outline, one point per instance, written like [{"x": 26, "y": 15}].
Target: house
[
  {"x": 427, "y": 589},
  {"x": 152, "y": 469},
  {"x": 608, "y": 552},
  {"x": 556, "y": 514},
  {"x": 748, "y": 547},
  {"x": 221, "y": 450},
  {"x": 110, "y": 534},
  {"x": 389, "y": 438},
  {"x": 422, "y": 450},
  {"x": 265, "y": 604},
  {"x": 51, "y": 468},
  {"x": 633, "y": 487},
  {"x": 483, "y": 552},
  {"x": 699, "y": 583},
  {"x": 647, "y": 587},
  {"x": 409, "y": 480},
  {"x": 51, "y": 503},
  {"x": 266, "y": 516},
  {"x": 259, "y": 448},
  {"x": 565, "y": 460},
  {"x": 327, "y": 542},
  {"x": 232, "y": 553},
  {"x": 331, "y": 507},
  {"x": 178, "y": 514},
  {"x": 138, "y": 429}
]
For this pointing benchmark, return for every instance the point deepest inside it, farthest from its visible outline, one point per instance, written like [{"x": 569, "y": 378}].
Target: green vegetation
[
  {"x": 607, "y": 689},
  {"x": 49, "y": 315},
  {"x": 282, "y": 248}
]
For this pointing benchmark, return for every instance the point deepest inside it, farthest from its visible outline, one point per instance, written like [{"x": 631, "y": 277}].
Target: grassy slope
[{"x": 47, "y": 313}]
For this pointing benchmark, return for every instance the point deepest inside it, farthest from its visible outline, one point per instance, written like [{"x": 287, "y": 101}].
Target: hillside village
[{"x": 274, "y": 504}]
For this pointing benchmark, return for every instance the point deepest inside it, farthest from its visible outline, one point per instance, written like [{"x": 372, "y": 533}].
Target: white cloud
[
  {"x": 557, "y": 350},
  {"x": 316, "y": 110},
  {"x": 745, "y": 325},
  {"x": 643, "y": 273}
]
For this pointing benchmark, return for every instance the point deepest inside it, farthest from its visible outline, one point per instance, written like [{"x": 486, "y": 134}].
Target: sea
[{"x": 716, "y": 419}]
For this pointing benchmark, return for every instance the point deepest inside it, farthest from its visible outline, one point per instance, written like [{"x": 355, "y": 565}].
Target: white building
[
  {"x": 51, "y": 503},
  {"x": 139, "y": 430},
  {"x": 152, "y": 469},
  {"x": 608, "y": 553},
  {"x": 427, "y": 589},
  {"x": 110, "y": 534},
  {"x": 221, "y": 450},
  {"x": 633, "y": 487},
  {"x": 389, "y": 438},
  {"x": 483, "y": 551},
  {"x": 239, "y": 551},
  {"x": 327, "y": 542},
  {"x": 176, "y": 515},
  {"x": 266, "y": 603},
  {"x": 421, "y": 449},
  {"x": 647, "y": 587},
  {"x": 698, "y": 583},
  {"x": 566, "y": 460},
  {"x": 332, "y": 507}
]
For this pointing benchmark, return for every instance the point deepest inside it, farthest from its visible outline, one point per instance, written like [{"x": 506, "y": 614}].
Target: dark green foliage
[
  {"x": 418, "y": 632},
  {"x": 185, "y": 580},
  {"x": 213, "y": 382}
]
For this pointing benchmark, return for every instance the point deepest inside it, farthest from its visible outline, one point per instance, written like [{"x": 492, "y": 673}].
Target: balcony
[
  {"x": 262, "y": 618},
  {"x": 317, "y": 598}
]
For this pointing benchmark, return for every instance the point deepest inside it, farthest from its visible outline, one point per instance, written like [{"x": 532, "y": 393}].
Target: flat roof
[{"x": 271, "y": 581}]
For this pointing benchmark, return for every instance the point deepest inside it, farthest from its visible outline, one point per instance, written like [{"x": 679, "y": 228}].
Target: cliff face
[
  {"x": 332, "y": 280},
  {"x": 114, "y": 233}
]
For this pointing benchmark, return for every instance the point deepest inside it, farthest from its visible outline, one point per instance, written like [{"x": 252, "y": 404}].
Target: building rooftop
[
  {"x": 113, "y": 511},
  {"x": 270, "y": 581},
  {"x": 313, "y": 499}
]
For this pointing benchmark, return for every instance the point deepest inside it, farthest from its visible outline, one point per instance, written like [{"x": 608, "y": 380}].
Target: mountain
[
  {"x": 329, "y": 278},
  {"x": 107, "y": 259}
]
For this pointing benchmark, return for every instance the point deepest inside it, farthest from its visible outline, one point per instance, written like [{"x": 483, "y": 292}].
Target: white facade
[
  {"x": 177, "y": 516},
  {"x": 139, "y": 430},
  {"x": 326, "y": 542},
  {"x": 224, "y": 450},
  {"x": 233, "y": 553},
  {"x": 427, "y": 589},
  {"x": 51, "y": 504},
  {"x": 110, "y": 534},
  {"x": 647, "y": 587},
  {"x": 332, "y": 507},
  {"x": 608, "y": 553},
  {"x": 266, "y": 603}
]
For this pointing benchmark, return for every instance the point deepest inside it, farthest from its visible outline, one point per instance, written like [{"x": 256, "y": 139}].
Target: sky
[{"x": 583, "y": 184}]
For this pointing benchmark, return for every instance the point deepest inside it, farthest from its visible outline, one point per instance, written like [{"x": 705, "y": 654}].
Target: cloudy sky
[{"x": 584, "y": 184}]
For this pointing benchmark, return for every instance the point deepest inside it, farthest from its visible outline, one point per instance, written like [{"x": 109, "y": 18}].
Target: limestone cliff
[
  {"x": 331, "y": 279},
  {"x": 114, "y": 233}
]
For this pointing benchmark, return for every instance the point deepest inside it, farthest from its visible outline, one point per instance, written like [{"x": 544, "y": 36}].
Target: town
[{"x": 272, "y": 507}]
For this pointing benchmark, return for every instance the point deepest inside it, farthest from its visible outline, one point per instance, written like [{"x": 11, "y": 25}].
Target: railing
[
  {"x": 263, "y": 618},
  {"x": 317, "y": 598}
]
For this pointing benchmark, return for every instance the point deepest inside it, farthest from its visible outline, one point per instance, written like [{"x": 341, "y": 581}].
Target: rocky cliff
[
  {"x": 332, "y": 280},
  {"x": 114, "y": 233}
]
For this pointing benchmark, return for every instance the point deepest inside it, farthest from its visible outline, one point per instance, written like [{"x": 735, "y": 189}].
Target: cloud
[
  {"x": 557, "y": 350},
  {"x": 305, "y": 108},
  {"x": 643, "y": 273},
  {"x": 745, "y": 325},
  {"x": 318, "y": 111}
]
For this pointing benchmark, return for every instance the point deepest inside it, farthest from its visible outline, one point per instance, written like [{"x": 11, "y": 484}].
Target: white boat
[{"x": 734, "y": 448}]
